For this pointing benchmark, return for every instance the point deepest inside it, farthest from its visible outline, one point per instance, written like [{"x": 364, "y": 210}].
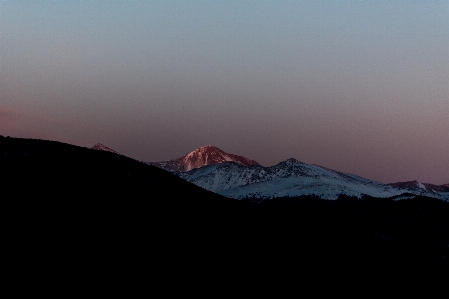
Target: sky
[{"x": 356, "y": 86}]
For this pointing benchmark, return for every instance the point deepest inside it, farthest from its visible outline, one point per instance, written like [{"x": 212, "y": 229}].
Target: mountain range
[
  {"x": 238, "y": 177},
  {"x": 292, "y": 178},
  {"x": 74, "y": 207}
]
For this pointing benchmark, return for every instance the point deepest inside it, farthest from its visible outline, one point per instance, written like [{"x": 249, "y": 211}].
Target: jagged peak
[
  {"x": 207, "y": 148},
  {"x": 291, "y": 161},
  {"x": 410, "y": 184},
  {"x": 98, "y": 145},
  {"x": 102, "y": 147},
  {"x": 202, "y": 156}
]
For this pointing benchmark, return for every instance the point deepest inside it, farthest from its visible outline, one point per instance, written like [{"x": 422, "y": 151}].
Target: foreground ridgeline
[
  {"x": 62, "y": 171},
  {"x": 79, "y": 207}
]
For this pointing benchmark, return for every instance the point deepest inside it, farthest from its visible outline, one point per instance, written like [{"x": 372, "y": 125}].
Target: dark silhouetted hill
[{"x": 69, "y": 207}]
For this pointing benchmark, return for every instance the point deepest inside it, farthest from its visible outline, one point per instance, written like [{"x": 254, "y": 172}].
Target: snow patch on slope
[
  {"x": 420, "y": 185},
  {"x": 288, "y": 178}
]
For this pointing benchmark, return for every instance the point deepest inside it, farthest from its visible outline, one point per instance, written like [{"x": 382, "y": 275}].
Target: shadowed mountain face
[{"x": 202, "y": 156}]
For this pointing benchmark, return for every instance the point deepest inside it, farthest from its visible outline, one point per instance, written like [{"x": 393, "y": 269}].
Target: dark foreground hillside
[{"x": 71, "y": 208}]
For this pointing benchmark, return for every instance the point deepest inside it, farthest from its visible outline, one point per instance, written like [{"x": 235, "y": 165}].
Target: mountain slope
[
  {"x": 290, "y": 178},
  {"x": 418, "y": 186},
  {"x": 202, "y": 156}
]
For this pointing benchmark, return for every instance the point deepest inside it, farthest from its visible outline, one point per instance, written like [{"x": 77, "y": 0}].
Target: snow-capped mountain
[
  {"x": 289, "y": 178},
  {"x": 102, "y": 147},
  {"x": 202, "y": 156},
  {"x": 417, "y": 186},
  {"x": 238, "y": 177}
]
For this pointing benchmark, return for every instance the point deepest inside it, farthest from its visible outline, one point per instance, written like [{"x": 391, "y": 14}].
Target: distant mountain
[
  {"x": 202, "y": 156},
  {"x": 290, "y": 178},
  {"x": 417, "y": 186},
  {"x": 238, "y": 177},
  {"x": 101, "y": 147}
]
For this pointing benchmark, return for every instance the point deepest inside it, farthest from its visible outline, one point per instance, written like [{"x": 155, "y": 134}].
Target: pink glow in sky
[{"x": 356, "y": 86}]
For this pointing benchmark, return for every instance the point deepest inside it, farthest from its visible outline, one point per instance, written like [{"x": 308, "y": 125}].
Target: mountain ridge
[
  {"x": 292, "y": 178},
  {"x": 202, "y": 156},
  {"x": 416, "y": 185}
]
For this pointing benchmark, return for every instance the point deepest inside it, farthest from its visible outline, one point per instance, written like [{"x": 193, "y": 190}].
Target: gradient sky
[{"x": 356, "y": 86}]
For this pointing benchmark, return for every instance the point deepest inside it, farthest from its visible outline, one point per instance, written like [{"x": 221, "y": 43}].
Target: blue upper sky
[{"x": 357, "y": 86}]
